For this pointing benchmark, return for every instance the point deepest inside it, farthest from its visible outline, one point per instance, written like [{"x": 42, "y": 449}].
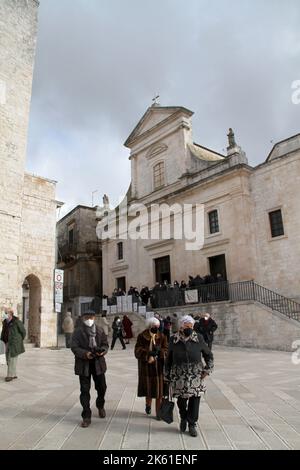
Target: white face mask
[
  {"x": 5, "y": 316},
  {"x": 206, "y": 318},
  {"x": 89, "y": 322}
]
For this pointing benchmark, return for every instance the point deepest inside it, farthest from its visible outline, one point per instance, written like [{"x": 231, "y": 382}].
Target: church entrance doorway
[
  {"x": 217, "y": 265},
  {"x": 32, "y": 298},
  {"x": 163, "y": 270}
]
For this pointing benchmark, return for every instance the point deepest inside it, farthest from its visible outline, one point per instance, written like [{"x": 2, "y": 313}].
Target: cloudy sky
[{"x": 99, "y": 63}]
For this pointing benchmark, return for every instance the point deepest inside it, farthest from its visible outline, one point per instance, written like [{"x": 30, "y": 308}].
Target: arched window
[{"x": 159, "y": 175}]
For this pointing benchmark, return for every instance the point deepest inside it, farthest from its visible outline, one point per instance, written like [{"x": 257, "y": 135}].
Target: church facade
[
  {"x": 251, "y": 225},
  {"x": 27, "y": 202}
]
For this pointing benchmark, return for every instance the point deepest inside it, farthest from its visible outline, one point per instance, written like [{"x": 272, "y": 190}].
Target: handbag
[{"x": 166, "y": 409}]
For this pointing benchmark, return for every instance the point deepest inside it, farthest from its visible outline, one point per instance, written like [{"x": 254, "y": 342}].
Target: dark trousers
[
  {"x": 115, "y": 339},
  {"x": 85, "y": 387},
  {"x": 68, "y": 337},
  {"x": 167, "y": 334},
  {"x": 189, "y": 409}
]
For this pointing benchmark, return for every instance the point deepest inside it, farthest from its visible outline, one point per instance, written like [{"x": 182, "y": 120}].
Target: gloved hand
[{"x": 153, "y": 353}]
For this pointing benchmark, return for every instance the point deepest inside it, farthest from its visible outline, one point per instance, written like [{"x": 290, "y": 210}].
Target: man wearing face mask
[
  {"x": 185, "y": 371},
  {"x": 13, "y": 334},
  {"x": 89, "y": 345},
  {"x": 206, "y": 326},
  {"x": 150, "y": 350}
]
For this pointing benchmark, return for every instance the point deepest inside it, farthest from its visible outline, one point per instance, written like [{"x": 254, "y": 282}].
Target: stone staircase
[{"x": 138, "y": 322}]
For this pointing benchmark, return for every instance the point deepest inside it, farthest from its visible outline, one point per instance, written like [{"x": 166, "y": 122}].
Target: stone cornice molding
[
  {"x": 122, "y": 267},
  {"x": 215, "y": 244},
  {"x": 160, "y": 244}
]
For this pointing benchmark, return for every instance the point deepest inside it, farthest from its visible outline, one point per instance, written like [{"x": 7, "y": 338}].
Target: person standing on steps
[
  {"x": 117, "y": 328},
  {"x": 127, "y": 328},
  {"x": 206, "y": 326},
  {"x": 89, "y": 346}
]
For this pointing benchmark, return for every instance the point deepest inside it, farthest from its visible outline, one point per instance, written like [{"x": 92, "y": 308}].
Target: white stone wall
[
  {"x": 246, "y": 324},
  {"x": 174, "y": 138},
  {"x": 230, "y": 195},
  {"x": 277, "y": 185},
  {"x": 38, "y": 235},
  {"x": 18, "y": 25}
]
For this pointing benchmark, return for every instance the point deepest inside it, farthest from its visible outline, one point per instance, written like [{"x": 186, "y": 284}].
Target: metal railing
[
  {"x": 225, "y": 291},
  {"x": 222, "y": 291}
]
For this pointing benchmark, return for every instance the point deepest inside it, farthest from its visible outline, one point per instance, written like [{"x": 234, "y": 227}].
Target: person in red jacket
[{"x": 127, "y": 327}]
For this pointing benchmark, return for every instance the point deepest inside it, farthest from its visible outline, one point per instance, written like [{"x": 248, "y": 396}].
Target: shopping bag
[{"x": 166, "y": 411}]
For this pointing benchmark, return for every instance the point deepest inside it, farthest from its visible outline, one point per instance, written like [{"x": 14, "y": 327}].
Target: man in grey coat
[{"x": 89, "y": 345}]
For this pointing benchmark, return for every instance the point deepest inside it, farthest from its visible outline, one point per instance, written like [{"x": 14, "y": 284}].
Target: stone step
[{"x": 29, "y": 345}]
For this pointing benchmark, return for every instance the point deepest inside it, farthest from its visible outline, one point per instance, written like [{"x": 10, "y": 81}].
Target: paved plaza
[{"x": 252, "y": 402}]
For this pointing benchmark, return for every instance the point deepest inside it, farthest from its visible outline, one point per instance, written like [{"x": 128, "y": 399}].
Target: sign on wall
[{"x": 59, "y": 286}]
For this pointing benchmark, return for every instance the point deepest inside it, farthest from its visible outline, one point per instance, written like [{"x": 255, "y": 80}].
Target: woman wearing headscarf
[
  {"x": 150, "y": 350},
  {"x": 185, "y": 371},
  {"x": 127, "y": 327}
]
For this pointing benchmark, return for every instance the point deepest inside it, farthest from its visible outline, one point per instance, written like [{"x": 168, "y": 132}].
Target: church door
[
  {"x": 163, "y": 270},
  {"x": 218, "y": 265}
]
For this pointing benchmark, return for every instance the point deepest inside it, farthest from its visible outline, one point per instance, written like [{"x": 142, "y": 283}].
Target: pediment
[{"x": 155, "y": 116}]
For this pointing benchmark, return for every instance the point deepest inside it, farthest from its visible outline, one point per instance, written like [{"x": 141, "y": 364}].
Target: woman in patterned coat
[
  {"x": 150, "y": 350},
  {"x": 185, "y": 371}
]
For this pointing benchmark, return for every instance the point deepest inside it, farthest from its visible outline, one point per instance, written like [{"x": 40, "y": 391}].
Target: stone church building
[
  {"x": 27, "y": 202},
  {"x": 251, "y": 214}
]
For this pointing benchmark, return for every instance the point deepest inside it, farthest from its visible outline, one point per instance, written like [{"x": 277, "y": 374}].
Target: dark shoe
[
  {"x": 15, "y": 378},
  {"x": 158, "y": 418},
  {"x": 102, "y": 413},
  {"x": 124, "y": 348},
  {"x": 8, "y": 379},
  {"x": 148, "y": 409},
  {"x": 193, "y": 430},
  {"x": 183, "y": 424},
  {"x": 85, "y": 423}
]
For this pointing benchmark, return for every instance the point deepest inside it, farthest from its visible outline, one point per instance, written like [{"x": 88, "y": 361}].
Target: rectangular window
[
  {"x": 120, "y": 250},
  {"x": 159, "y": 175},
  {"x": 213, "y": 222},
  {"x": 121, "y": 283},
  {"x": 276, "y": 223},
  {"x": 71, "y": 237}
]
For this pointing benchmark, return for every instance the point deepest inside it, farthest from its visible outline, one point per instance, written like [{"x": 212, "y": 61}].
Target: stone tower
[{"x": 18, "y": 31}]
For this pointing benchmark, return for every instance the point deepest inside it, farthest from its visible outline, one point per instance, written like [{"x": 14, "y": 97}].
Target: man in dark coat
[
  {"x": 13, "y": 334},
  {"x": 117, "y": 329},
  {"x": 206, "y": 326},
  {"x": 145, "y": 295},
  {"x": 89, "y": 345}
]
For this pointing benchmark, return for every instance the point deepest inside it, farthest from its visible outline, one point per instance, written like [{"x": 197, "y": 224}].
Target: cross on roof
[{"x": 155, "y": 100}]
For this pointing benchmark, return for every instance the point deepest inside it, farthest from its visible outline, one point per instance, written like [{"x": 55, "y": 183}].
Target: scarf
[
  {"x": 152, "y": 340},
  {"x": 181, "y": 337},
  {"x": 91, "y": 331}
]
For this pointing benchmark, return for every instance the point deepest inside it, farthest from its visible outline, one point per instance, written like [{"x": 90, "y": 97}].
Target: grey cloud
[{"x": 99, "y": 63}]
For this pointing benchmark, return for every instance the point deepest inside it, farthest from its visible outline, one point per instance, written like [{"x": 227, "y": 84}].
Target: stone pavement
[{"x": 252, "y": 402}]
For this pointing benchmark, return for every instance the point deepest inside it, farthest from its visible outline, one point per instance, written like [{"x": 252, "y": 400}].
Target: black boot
[
  {"x": 183, "y": 424},
  {"x": 193, "y": 430}
]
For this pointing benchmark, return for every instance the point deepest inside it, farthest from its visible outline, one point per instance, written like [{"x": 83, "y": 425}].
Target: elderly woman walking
[
  {"x": 185, "y": 371},
  {"x": 150, "y": 351}
]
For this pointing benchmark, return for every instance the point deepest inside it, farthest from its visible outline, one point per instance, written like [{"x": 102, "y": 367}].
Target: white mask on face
[
  {"x": 89, "y": 322},
  {"x": 206, "y": 318},
  {"x": 5, "y": 316}
]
